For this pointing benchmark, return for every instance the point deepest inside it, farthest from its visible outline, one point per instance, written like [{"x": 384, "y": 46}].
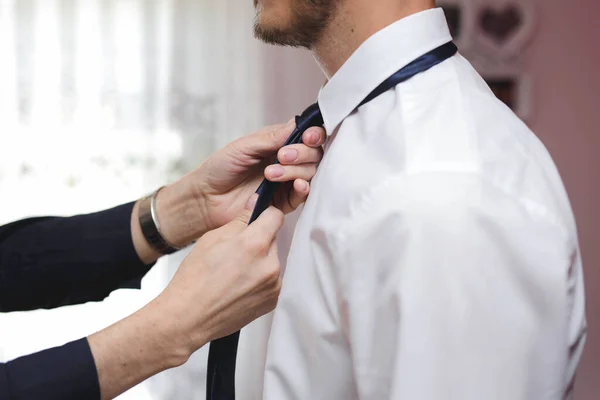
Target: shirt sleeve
[
  {"x": 53, "y": 262},
  {"x": 61, "y": 373},
  {"x": 451, "y": 289}
]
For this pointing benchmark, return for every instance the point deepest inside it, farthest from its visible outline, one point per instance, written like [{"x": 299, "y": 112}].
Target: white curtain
[{"x": 102, "y": 101}]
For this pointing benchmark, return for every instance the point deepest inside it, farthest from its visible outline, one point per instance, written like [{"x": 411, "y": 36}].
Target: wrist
[
  {"x": 186, "y": 333},
  {"x": 167, "y": 332},
  {"x": 136, "y": 348},
  {"x": 180, "y": 214}
]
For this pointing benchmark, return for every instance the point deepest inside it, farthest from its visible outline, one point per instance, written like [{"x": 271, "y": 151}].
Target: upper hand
[
  {"x": 225, "y": 181},
  {"x": 216, "y": 192}
]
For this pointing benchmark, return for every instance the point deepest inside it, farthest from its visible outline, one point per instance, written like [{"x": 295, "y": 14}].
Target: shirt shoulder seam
[{"x": 528, "y": 204}]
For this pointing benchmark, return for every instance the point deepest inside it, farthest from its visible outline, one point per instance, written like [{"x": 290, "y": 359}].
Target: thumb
[
  {"x": 240, "y": 222},
  {"x": 251, "y": 203},
  {"x": 269, "y": 140},
  {"x": 242, "y": 219},
  {"x": 282, "y": 133}
]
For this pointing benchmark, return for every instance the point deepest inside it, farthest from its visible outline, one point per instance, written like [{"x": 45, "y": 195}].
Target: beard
[{"x": 309, "y": 19}]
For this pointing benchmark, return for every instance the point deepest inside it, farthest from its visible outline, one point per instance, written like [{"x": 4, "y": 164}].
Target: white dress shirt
[{"x": 437, "y": 256}]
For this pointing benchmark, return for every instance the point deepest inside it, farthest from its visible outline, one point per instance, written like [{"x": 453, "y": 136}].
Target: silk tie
[{"x": 220, "y": 384}]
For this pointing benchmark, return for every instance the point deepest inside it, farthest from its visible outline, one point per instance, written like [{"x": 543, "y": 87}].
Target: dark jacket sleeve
[
  {"x": 62, "y": 373},
  {"x": 53, "y": 262}
]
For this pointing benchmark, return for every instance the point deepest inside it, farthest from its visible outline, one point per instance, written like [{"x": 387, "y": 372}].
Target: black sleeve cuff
[{"x": 64, "y": 373}]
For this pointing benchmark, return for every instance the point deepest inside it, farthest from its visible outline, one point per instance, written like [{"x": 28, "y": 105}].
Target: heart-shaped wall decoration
[
  {"x": 504, "y": 26},
  {"x": 500, "y": 25}
]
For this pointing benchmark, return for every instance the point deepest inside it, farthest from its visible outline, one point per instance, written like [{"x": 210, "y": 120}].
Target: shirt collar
[{"x": 380, "y": 56}]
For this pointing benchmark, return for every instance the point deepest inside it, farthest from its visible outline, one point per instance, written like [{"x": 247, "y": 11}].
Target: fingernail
[
  {"x": 275, "y": 171},
  {"x": 251, "y": 202},
  {"x": 289, "y": 155}
]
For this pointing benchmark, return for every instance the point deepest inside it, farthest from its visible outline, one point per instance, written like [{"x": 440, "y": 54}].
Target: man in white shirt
[{"x": 437, "y": 257}]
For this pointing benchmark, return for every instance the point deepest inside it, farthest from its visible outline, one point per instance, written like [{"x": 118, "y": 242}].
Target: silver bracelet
[{"x": 151, "y": 227}]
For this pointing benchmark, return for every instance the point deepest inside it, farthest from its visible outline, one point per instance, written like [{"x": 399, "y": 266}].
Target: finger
[
  {"x": 268, "y": 140},
  {"x": 251, "y": 202},
  {"x": 274, "y": 265},
  {"x": 314, "y": 137},
  {"x": 298, "y": 193},
  {"x": 274, "y": 251},
  {"x": 300, "y": 154},
  {"x": 267, "y": 225},
  {"x": 269, "y": 268},
  {"x": 287, "y": 173},
  {"x": 240, "y": 222}
]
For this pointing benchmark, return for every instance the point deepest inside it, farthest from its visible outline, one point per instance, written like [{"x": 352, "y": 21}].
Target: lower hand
[{"x": 231, "y": 277}]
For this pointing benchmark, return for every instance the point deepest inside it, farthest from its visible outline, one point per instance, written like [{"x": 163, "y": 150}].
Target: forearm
[
  {"x": 84, "y": 258},
  {"x": 109, "y": 362},
  {"x": 138, "y": 347},
  {"x": 52, "y": 262}
]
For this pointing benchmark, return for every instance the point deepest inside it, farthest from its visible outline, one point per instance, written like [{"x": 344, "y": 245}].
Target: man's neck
[{"x": 354, "y": 22}]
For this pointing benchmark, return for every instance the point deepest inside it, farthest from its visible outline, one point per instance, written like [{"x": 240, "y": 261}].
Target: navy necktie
[{"x": 220, "y": 383}]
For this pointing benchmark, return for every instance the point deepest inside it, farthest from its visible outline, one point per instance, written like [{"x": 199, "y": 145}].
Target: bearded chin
[{"x": 308, "y": 22}]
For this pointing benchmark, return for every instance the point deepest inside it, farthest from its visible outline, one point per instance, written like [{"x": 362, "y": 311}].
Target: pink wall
[
  {"x": 564, "y": 60},
  {"x": 292, "y": 80}
]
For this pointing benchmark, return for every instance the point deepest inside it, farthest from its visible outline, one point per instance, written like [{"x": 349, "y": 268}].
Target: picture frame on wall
[
  {"x": 514, "y": 92},
  {"x": 506, "y": 90},
  {"x": 461, "y": 20},
  {"x": 492, "y": 35}
]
